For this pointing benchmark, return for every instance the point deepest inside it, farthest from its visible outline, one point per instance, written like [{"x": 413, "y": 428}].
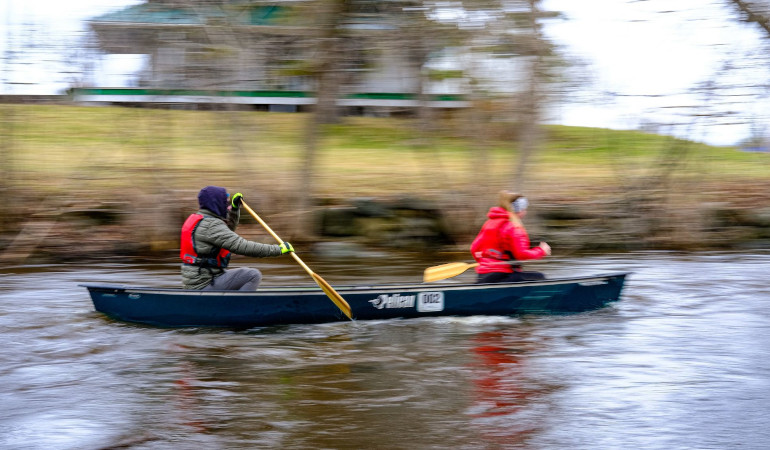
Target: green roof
[{"x": 158, "y": 14}]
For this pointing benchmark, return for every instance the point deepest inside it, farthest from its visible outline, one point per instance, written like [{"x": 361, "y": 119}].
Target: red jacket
[{"x": 499, "y": 241}]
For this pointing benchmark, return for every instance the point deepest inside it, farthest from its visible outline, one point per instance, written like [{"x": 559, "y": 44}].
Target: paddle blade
[
  {"x": 333, "y": 295},
  {"x": 444, "y": 271}
]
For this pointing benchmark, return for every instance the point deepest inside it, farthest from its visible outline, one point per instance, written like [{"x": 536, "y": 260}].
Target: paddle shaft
[
  {"x": 330, "y": 292},
  {"x": 277, "y": 238},
  {"x": 449, "y": 270}
]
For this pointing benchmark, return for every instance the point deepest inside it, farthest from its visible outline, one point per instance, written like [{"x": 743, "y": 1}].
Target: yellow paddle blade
[
  {"x": 444, "y": 271},
  {"x": 333, "y": 295}
]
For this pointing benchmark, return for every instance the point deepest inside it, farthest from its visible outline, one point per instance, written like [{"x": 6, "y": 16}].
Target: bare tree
[
  {"x": 531, "y": 99},
  {"x": 325, "y": 47},
  {"x": 511, "y": 31},
  {"x": 338, "y": 49}
]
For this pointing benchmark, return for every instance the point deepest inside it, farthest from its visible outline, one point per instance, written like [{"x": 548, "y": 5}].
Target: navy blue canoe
[{"x": 301, "y": 305}]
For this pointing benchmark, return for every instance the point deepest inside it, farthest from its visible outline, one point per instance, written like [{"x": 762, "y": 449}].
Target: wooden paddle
[
  {"x": 444, "y": 271},
  {"x": 326, "y": 287}
]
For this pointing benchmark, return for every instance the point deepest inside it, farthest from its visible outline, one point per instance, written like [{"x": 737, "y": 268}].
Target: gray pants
[{"x": 243, "y": 279}]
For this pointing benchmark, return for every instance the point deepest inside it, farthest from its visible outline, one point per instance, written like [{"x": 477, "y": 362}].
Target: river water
[{"x": 682, "y": 361}]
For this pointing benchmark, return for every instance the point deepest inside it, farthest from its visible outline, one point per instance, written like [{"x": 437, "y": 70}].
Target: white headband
[{"x": 520, "y": 204}]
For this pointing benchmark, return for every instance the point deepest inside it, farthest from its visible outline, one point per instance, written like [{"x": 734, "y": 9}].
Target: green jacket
[{"x": 215, "y": 232}]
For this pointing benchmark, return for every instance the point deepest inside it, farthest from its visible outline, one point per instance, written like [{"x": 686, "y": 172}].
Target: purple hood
[{"x": 215, "y": 199}]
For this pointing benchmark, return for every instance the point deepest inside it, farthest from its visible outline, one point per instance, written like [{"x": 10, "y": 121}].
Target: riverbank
[{"x": 102, "y": 182}]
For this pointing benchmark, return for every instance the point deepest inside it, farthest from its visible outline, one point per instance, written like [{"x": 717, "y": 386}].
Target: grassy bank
[
  {"x": 149, "y": 163},
  {"x": 363, "y": 156}
]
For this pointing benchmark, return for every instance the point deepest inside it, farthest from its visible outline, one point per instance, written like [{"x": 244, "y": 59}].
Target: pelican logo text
[{"x": 393, "y": 301}]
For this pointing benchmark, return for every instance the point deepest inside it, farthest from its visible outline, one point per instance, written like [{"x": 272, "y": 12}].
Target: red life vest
[
  {"x": 219, "y": 257},
  {"x": 489, "y": 243}
]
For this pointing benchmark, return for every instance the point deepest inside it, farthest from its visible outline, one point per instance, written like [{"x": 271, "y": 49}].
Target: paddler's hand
[
  {"x": 237, "y": 200},
  {"x": 286, "y": 248},
  {"x": 546, "y": 248}
]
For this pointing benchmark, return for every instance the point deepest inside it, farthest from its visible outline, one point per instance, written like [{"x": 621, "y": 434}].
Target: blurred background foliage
[{"x": 85, "y": 181}]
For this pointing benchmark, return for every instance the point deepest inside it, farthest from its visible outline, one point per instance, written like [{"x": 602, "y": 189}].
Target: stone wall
[
  {"x": 411, "y": 223},
  {"x": 137, "y": 229},
  {"x": 397, "y": 223}
]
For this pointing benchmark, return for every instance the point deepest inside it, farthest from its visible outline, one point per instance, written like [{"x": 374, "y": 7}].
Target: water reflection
[
  {"x": 681, "y": 362},
  {"x": 504, "y": 389}
]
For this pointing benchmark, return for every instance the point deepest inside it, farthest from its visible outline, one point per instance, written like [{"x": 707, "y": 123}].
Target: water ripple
[{"x": 683, "y": 361}]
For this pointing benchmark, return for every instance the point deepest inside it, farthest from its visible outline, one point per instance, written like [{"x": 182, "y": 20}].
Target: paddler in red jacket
[{"x": 503, "y": 240}]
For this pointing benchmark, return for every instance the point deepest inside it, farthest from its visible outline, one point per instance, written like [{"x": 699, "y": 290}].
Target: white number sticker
[{"x": 430, "y": 301}]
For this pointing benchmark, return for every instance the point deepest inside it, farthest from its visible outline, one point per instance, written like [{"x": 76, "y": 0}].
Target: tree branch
[{"x": 753, "y": 16}]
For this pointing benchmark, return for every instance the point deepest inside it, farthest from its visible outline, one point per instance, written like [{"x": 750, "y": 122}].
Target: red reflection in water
[
  {"x": 503, "y": 391},
  {"x": 498, "y": 385},
  {"x": 186, "y": 402}
]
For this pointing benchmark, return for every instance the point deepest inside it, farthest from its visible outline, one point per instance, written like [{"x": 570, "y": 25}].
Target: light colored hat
[
  {"x": 520, "y": 204},
  {"x": 512, "y": 201}
]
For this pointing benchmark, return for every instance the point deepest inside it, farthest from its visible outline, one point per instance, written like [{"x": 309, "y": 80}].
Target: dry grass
[{"x": 108, "y": 149}]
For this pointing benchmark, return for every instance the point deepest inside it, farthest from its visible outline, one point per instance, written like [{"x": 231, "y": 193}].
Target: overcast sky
[
  {"x": 650, "y": 57},
  {"x": 653, "y": 52}
]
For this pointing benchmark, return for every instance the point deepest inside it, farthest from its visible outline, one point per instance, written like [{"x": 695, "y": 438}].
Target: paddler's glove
[
  {"x": 286, "y": 248},
  {"x": 237, "y": 200}
]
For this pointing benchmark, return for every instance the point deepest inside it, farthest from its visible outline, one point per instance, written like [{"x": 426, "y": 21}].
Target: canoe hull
[{"x": 284, "y": 305}]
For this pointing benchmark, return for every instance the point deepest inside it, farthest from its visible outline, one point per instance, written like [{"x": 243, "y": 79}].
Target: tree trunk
[
  {"x": 325, "y": 110},
  {"x": 530, "y": 135},
  {"x": 6, "y": 162}
]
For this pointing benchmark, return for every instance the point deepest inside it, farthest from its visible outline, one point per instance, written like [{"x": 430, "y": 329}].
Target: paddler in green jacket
[{"x": 208, "y": 239}]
